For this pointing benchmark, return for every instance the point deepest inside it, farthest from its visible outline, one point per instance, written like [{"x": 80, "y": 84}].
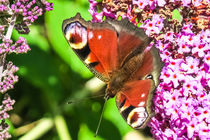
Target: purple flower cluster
[
  {"x": 18, "y": 15},
  {"x": 154, "y": 25},
  {"x": 7, "y": 77},
  {"x": 30, "y": 10},
  {"x": 20, "y": 46},
  {"x": 6, "y": 106},
  {"x": 182, "y": 99}
]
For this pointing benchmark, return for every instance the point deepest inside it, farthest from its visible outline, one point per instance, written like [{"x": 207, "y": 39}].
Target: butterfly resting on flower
[{"x": 117, "y": 53}]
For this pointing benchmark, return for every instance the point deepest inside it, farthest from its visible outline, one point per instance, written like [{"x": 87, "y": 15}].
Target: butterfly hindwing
[
  {"x": 134, "y": 102},
  {"x": 134, "y": 99}
]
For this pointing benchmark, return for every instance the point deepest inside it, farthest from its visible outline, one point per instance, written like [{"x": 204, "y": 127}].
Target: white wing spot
[
  {"x": 90, "y": 35},
  {"x": 141, "y": 103},
  {"x": 142, "y": 95},
  {"x": 99, "y": 37}
]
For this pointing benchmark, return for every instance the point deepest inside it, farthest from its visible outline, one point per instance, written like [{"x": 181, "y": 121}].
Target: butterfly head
[{"x": 109, "y": 93}]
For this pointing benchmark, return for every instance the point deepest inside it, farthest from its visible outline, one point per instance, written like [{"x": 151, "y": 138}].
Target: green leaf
[
  {"x": 176, "y": 15},
  {"x": 112, "y": 114},
  {"x": 86, "y": 134}
]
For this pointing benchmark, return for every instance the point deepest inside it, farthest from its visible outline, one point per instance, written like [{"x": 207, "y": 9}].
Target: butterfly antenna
[
  {"x": 99, "y": 123},
  {"x": 81, "y": 100}
]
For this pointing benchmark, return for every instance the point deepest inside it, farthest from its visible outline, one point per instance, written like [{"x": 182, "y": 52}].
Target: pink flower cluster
[
  {"x": 182, "y": 99},
  {"x": 30, "y": 10},
  {"x": 6, "y": 106},
  {"x": 7, "y": 77},
  {"x": 17, "y": 14},
  {"x": 154, "y": 25},
  {"x": 20, "y": 46}
]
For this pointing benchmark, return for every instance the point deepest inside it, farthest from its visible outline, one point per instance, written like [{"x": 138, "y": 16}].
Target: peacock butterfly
[{"x": 116, "y": 52}]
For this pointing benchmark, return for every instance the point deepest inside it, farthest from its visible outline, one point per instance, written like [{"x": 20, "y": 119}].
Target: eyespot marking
[
  {"x": 137, "y": 117},
  {"x": 84, "y": 52},
  {"x": 76, "y": 34},
  {"x": 127, "y": 111}
]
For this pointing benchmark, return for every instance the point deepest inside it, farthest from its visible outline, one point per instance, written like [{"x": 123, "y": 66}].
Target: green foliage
[
  {"x": 176, "y": 15},
  {"x": 50, "y": 75}
]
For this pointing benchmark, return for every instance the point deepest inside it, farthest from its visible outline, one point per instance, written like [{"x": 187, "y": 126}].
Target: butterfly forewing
[
  {"x": 131, "y": 40},
  {"x": 104, "y": 47},
  {"x": 92, "y": 46}
]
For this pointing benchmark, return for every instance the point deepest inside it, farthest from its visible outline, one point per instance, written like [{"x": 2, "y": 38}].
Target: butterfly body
[
  {"x": 124, "y": 74},
  {"x": 115, "y": 51}
]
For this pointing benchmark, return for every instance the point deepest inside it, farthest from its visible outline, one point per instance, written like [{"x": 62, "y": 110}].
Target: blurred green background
[{"x": 50, "y": 75}]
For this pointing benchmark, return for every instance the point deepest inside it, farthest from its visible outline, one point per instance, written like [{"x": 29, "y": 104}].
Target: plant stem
[
  {"x": 8, "y": 36},
  {"x": 39, "y": 130},
  {"x": 2, "y": 59},
  {"x": 62, "y": 128},
  {"x": 11, "y": 26}
]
